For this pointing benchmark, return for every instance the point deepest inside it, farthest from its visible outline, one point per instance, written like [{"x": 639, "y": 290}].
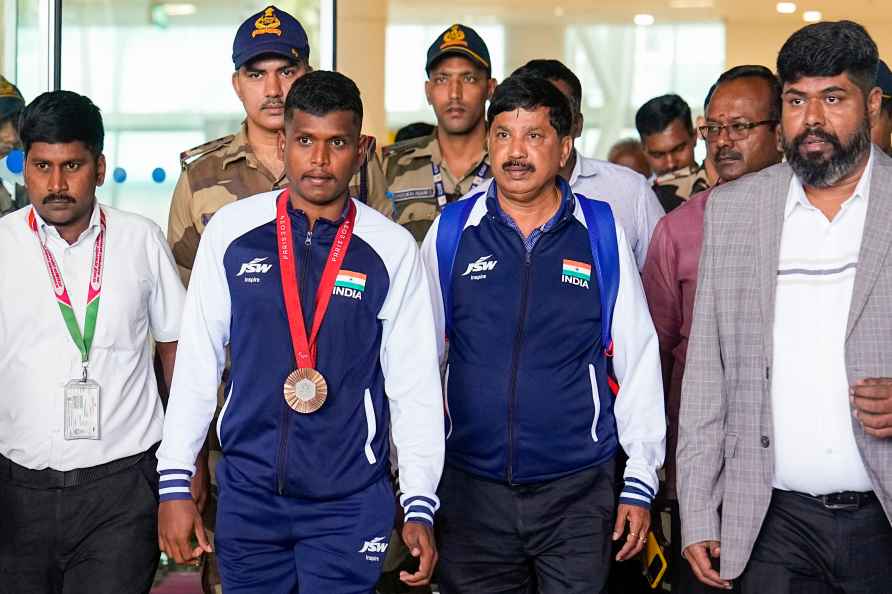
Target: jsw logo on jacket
[{"x": 526, "y": 389}]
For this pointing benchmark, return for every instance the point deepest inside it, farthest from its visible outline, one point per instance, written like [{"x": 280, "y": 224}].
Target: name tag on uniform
[
  {"x": 81, "y": 409},
  {"x": 413, "y": 194}
]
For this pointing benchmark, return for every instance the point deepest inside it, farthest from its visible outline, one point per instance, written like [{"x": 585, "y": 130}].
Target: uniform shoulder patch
[
  {"x": 188, "y": 157},
  {"x": 399, "y": 149}
]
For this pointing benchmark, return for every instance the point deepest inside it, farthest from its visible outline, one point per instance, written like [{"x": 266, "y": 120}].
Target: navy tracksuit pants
[{"x": 282, "y": 545}]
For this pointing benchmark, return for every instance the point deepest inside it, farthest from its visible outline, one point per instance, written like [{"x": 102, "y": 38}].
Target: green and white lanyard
[{"x": 84, "y": 340}]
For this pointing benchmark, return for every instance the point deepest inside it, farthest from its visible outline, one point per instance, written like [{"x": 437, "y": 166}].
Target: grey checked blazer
[{"x": 725, "y": 426}]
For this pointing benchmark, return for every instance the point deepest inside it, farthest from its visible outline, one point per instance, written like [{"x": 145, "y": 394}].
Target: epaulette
[
  {"x": 190, "y": 155},
  {"x": 404, "y": 146}
]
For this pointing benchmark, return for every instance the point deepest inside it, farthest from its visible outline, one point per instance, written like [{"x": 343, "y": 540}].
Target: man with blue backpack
[{"x": 538, "y": 302}]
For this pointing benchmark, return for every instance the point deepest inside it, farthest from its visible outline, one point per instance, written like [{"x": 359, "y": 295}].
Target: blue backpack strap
[
  {"x": 452, "y": 222},
  {"x": 602, "y": 235}
]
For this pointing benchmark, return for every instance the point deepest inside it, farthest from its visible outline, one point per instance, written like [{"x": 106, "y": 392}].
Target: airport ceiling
[
  {"x": 622, "y": 11},
  {"x": 123, "y": 12}
]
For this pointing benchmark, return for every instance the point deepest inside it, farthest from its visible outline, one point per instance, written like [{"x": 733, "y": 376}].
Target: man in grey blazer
[{"x": 784, "y": 456}]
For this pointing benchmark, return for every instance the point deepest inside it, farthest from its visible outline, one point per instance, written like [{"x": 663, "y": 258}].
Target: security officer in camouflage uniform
[
  {"x": 667, "y": 134},
  {"x": 11, "y": 105},
  {"x": 425, "y": 173},
  {"x": 270, "y": 52}
]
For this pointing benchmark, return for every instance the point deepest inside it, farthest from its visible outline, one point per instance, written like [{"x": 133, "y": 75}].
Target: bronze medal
[{"x": 305, "y": 390}]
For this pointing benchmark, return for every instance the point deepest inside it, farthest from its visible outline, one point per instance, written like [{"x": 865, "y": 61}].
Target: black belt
[
  {"x": 49, "y": 478},
  {"x": 846, "y": 500}
]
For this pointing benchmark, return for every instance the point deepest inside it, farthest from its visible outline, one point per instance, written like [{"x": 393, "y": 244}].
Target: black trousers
[
  {"x": 804, "y": 548},
  {"x": 550, "y": 538},
  {"x": 97, "y": 538}
]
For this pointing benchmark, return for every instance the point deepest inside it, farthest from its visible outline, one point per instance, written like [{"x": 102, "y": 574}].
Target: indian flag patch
[
  {"x": 576, "y": 273},
  {"x": 349, "y": 284},
  {"x": 351, "y": 280}
]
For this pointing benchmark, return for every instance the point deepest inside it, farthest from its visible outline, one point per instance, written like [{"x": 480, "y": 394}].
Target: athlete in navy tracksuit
[
  {"x": 305, "y": 499},
  {"x": 532, "y": 424}
]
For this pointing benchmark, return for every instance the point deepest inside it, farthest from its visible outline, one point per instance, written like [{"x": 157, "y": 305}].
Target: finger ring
[
  {"x": 642, "y": 539},
  {"x": 633, "y": 533}
]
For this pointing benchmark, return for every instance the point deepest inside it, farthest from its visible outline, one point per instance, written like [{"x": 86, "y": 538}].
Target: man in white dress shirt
[{"x": 84, "y": 289}]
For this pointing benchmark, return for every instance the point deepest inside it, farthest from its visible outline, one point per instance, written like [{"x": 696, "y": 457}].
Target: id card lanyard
[
  {"x": 83, "y": 341},
  {"x": 81, "y": 396},
  {"x": 440, "y": 189}
]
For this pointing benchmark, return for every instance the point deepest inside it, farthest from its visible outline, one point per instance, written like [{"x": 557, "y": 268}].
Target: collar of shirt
[
  {"x": 337, "y": 222},
  {"x": 584, "y": 167},
  {"x": 566, "y": 209},
  {"x": 432, "y": 150},
  {"x": 796, "y": 196},
  {"x": 45, "y": 230},
  {"x": 240, "y": 149}
]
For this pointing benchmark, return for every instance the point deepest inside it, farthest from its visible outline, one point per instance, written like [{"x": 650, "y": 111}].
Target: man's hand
[
  {"x": 639, "y": 523},
  {"x": 201, "y": 481},
  {"x": 698, "y": 556},
  {"x": 178, "y": 520},
  {"x": 419, "y": 539},
  {"x": 872, "y": 401}
]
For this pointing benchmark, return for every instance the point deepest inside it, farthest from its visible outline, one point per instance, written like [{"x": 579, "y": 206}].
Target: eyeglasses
[{"x": 736, "y": 131}]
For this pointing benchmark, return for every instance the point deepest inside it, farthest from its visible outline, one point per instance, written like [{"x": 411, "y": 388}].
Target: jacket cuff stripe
[
  {"x": 636, "y": 502},
  {"x": 420, "y": 519},
  {"x": 632, "y": 481},
  {"x": 420, "y": 499},
  {"x": 174, "y": 493}
]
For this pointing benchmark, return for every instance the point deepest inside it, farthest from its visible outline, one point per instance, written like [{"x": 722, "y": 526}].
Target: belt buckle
[{"x": 835, "y": 501}]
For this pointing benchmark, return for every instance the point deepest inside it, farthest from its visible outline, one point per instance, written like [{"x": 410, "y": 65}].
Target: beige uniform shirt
[
  {"x": 6, "y": 202},
  {"x": 686, "y": 181},
  {"x": 410, "y": 181},
  {"x": 225, "y": 170}
]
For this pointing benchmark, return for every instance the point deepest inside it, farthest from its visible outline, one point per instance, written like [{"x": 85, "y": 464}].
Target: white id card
[{"x": 82, "y": 409}]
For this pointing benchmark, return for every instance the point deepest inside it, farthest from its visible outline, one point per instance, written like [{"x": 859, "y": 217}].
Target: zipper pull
[{"x": 309, "y": 238}]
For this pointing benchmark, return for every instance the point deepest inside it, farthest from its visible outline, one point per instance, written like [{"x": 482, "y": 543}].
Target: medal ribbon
[
  {"x": 440, "y": 189},
  {"x": 305, "y": 347},
  {"x": 94, "y": 291}
]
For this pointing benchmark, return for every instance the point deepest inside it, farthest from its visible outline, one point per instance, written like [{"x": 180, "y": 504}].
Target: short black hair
[
  {"x": 321, "y": 92},
  {"x": 59, "y": 117},
  {"x": 552, "y": 70},
  {"x": 656, "y": 115},
  {"x": 529, "y": 93},
  {"x": 751, "y": 71},
  {"x": 830, "y": 49}
]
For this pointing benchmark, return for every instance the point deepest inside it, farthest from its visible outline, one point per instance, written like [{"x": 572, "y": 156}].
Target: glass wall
[
  {"x": 159, "y": 71},
  {"x": 622, "y": 66}
]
